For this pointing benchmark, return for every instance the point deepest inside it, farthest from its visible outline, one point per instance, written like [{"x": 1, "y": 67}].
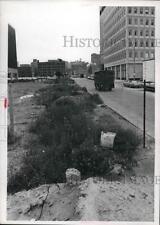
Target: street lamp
[
  {"x": 144, "y": 113},
  {"x": 134, "y": 59}
]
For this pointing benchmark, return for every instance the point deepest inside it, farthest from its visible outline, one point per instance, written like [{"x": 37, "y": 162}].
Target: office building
[
  {"x": 78, "y": 67},
  {"x": 95, "y": 63},
  {"x": 127, "y": 37},
  {"x": 12, "y": 53},
  {"x": 34, "y": 67},
  {"x": 50, "y": 67},
  {"x": 24, "y": 70},
  {"x": 95, "y": 58}
]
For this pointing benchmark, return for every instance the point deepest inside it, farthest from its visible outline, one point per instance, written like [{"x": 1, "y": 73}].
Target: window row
[
  {"x": 115, "y": 57},
  {"x": 142, "y": 54},
  {"x": 141, "y": 43},
  {"x": 141, "y": 10},
  {"x": 141, "y": 21},
  {"x": 115, "y": 29},
  {"x": 114, "y": 25},
  {"x": 141, "y": 33}
]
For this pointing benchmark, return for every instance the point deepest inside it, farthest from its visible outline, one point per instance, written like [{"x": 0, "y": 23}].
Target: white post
[{"x": 3, "y": 112}]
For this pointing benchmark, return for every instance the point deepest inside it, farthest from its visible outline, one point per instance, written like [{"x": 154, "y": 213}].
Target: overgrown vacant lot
[
  {"x": 59, "y": 128},
  {"x": 67, "y": 134}
]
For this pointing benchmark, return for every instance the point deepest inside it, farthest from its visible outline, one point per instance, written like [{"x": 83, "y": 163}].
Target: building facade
[
  {"x": 12, "y": 53},
  {"x": 127, "y": 38},
  {"x": 95, "y": 63},
  {"x": 24, "y": 70},
  {"x": 34, "y": 67},
  {"x": 78, "y": 67},
  {"x": 95, "y": 58},
  {"x": 50, "y": 67}
]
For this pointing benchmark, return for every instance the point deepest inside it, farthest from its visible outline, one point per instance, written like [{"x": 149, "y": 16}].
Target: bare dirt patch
[
  {"x": 47, "y": 202},
  {"x": 25, "y": 112}
]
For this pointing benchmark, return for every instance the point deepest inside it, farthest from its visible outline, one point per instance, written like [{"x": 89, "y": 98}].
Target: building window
[
  {"x": 146, "y": 10},
  {"x": 146, "y": 55},
  {"x": 152, "y": 54},
  {"x": 141, "y": 21},
  {"x": 152, "y": 11},
  {"x": 142, "y": 54},
  {"x": 135, "y": 21},
  {"x": 130, "y": 54},
  {"x": 141, "y": 10},
  {"x": 141, "y": 32},
  {"x": 129, "y": 10},
  {"x": 135, "y": 9},
  {"x": 152, "y": 43},
  {"x": 130, "y": 32},
  {"x": 135, "y": 32},
  {"x": 130, "y": 21},
  {"x": 135, "y": 43},
  {"x": 136, "y": 54},
  {"x": 152, "y": 22},
  {"x": 152, "y": 33},
  {"x": 147, "y": 22},
  {"x": 141, "y": 43},
  {"x": 130, "y": 44},
  {"x": 146, "y": 43},
  {"x": 147, "y": 33}
]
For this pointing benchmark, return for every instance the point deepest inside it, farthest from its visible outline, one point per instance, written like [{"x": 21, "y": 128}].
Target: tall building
[
  {"x": 127, "y": 37},
  {"x": 95, "y": 63},
  {"x": 50, "y": 67},
  {"x": 95, "y": 58},
  {"x": 12, "y": 53}
]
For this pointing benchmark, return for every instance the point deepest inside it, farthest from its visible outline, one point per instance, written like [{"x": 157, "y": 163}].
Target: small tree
[{"x": 90, "y": 69}]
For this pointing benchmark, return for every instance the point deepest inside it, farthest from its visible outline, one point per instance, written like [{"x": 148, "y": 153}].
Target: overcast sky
[{"x": 41, "y": 27}]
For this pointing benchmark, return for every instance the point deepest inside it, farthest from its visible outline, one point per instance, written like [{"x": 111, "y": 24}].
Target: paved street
[{"x": 127, "y": 102}]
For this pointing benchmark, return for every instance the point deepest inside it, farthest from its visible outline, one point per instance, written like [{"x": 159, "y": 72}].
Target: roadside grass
[
  {"x": 66, "y": 136},
  {"x": 126, "y": 140},
  {"x": 12, "y": 138}
]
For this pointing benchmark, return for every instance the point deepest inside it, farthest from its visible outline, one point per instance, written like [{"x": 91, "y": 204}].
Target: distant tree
[{"x": 90, "y": 69}]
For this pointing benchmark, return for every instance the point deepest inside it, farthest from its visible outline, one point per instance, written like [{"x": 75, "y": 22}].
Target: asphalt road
[{"x": 127, "y": 102}]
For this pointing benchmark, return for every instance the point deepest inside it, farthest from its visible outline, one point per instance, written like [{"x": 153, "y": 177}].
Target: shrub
[
  {"x": 46, "y": 96},
  {"x": 96, "y": 98},
  {"x": 92, "y": 160},
  {"x": 126, "y": 142},
  {"x": 12, "y": 138}
]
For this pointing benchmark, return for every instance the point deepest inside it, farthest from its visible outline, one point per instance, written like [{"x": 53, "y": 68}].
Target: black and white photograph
[{"x": 79, "y": 106}]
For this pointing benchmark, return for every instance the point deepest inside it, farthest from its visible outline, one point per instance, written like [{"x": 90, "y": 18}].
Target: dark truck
[{"x": 104, "y": 80}]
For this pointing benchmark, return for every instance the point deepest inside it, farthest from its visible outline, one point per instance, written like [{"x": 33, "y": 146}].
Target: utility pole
[
  {"x": 134, "y": 61},
  {"x": 144, "y": 113}
]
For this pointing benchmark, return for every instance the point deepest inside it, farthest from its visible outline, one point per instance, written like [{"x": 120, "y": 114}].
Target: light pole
[
  {"x": 144, "y": 113},
  {"x": 134, "y": 60}
]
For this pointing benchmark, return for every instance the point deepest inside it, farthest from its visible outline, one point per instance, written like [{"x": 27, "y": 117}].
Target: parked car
[
  {"x": 150, "y": 86},
  {"x": 91, "y": 77},
  {"x": 133, "y": 84}
]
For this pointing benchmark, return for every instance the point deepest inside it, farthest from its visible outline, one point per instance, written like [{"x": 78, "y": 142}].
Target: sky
[{"x": 48, "y": 30}]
